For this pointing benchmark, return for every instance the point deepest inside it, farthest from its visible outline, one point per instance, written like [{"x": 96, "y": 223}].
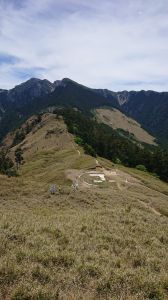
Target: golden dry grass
[
  {"x": 116, "y": 119},
  {"x": 97, "y": 243},
  {"x": 94, "y": 244}
]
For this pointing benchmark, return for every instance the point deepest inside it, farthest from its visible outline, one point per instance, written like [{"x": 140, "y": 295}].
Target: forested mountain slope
[{"x": 149, "y": 108}]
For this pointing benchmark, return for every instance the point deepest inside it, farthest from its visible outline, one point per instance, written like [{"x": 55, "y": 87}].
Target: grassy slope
[
  {"x": 116, "y": 119},
  {"x": 100, "y": 243}
]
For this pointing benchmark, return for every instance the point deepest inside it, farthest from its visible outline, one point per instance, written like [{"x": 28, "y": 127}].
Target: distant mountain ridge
[{"x": 149, "y": 108}]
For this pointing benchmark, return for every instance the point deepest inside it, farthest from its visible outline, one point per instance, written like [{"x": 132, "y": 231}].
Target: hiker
[
  {"x": 75, "y": 186},
  {"x": 53, "y": 189}
]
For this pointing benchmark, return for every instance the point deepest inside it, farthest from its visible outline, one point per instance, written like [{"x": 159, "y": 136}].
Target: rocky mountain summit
[{"x": 149, "y": 108}]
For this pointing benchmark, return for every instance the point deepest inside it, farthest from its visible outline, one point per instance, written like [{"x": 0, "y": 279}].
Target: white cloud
[{"x": 109, "y": 44}]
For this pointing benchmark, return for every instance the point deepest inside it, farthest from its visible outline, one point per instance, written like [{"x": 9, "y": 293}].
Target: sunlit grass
[{"x": 96, "y": 243}]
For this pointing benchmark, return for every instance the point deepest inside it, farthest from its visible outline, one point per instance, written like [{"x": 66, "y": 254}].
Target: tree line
[
  {"x": 100, "y": 139},
  {"x": 7, "y": 166}
]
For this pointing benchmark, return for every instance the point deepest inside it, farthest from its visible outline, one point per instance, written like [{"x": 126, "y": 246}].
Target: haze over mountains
[{"x": 149, "y": 108}]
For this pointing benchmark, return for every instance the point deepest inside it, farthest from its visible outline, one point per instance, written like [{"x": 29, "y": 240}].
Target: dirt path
[
  {"x": 76, "y": 176},
  {"x": 82, "y": 183},
  {"x": 150, "y": 208},
  {"x": 97, "y": 163}
]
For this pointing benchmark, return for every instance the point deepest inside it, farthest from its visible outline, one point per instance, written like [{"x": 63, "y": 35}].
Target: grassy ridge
[
  {"x": 97, "y": 243},
  {"x": 89, "y": 245},
  {"x": 116, "y": 119}
]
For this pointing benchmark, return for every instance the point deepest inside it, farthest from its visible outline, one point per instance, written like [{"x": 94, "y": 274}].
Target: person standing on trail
[
  {"x": 75, "y": 186},
  {"x": 53, "y": 189}
]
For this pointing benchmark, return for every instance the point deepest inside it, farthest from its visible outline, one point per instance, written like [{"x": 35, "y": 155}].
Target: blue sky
[{"x": 114, "y": 44}]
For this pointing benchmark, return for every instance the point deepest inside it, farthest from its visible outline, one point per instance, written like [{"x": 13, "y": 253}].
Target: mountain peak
[
  {"x": 32, "y": 88},
  {"x": 33, "y": 82},
  {"x": 68, "y": 80},
  {"x": 63, "y": 82},
  {"x": 33, "y": 79}
]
